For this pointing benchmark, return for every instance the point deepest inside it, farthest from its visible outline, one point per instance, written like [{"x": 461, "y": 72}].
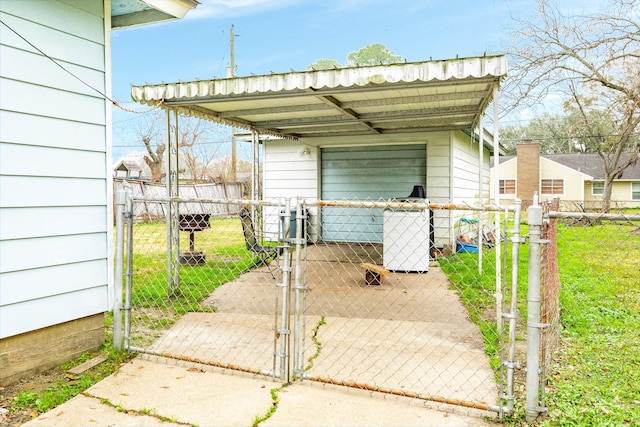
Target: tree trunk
[{"x": 606, "y": 195}]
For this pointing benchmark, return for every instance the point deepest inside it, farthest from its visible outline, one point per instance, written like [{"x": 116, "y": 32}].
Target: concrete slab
[
  {"x": 90, "y": 411},
  {"x": 410, "y": 336},
  {"x": 411, "y": 357},
  {"x": 152, "y": 391},
  {"x": 308, "y": 404}
]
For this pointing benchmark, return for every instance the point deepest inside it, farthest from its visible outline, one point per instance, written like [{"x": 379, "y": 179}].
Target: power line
[{"x": 102, "y": 94}]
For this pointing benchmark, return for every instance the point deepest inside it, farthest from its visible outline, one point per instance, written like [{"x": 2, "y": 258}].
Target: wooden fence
[{"x": 152, "y": 211}]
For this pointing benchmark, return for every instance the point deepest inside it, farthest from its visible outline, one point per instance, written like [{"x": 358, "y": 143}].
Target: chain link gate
[
  {"x": 209, "y": 287},
  {"x": 382, "y": 319},
  {"x": 313, "y": 290}
]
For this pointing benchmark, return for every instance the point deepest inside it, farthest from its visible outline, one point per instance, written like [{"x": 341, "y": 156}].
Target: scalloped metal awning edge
[{"x": 398, "y": 98}]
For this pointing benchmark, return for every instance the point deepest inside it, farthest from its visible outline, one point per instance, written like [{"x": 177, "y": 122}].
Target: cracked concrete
[{"x": 151, "y": 391}]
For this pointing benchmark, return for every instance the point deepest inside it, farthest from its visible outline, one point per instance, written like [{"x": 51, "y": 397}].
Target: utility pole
[{"x": 231, "y": 72}]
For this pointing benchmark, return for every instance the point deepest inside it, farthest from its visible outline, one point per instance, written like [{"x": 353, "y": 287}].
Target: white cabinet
[{"x": 406, "y": 243}]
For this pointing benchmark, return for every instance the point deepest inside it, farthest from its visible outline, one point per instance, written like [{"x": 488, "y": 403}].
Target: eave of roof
[
  {"x": 130, "y": 13},
  {"x": 397, "y": 98}
]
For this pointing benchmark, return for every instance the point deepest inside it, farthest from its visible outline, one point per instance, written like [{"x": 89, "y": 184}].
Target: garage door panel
[{"x": 367, "y": 173}]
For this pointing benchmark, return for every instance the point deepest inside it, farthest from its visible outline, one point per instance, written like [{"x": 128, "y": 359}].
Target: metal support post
[
  {"x": 173, "y": 215},
  {"x": 511, "y": 364},
  {"x": 284, "y": 331},
  {"x": 300, "y": 288},
  {"x": 532, "y": 408},
  {"x": 121, "y": 196},
  {"x": 129, "y": 271}
]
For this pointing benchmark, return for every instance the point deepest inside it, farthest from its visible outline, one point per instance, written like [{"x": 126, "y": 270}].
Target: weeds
[
  {"x": 69, "y": 386},
  {"x": 272, "y": 410}
]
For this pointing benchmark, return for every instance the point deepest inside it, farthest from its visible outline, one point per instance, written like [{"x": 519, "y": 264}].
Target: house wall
[
  {"x": 54, "y": 182},
  {"x": 508, "y": 169},
  {"x": 620, "y": 194},
  {"x": 573, "y": 180},
  {"x": 465, "y": 182},
  {"x": 451, "y": 163}
]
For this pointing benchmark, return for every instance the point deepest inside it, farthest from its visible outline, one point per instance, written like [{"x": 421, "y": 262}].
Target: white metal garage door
[{"x": 367, "y": 173}]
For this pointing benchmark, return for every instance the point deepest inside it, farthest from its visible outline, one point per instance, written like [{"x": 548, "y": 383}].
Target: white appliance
[{"x": 406, "y": 245}]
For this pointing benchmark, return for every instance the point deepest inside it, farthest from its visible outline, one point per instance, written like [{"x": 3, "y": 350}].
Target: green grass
[
  {"x": 226, "y": 258},
  {"x": 595, "y": 378},
  {"x": 69, "y": 386}
]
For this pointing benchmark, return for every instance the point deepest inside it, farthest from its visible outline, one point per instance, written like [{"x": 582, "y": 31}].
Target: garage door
[{"x": 367, "y": 173}]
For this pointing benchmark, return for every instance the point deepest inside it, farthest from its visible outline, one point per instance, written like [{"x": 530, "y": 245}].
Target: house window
[
  {"x": 552, "y": 186},
  {"x": 635, "y": 191},
  {"x": 597, "y": 188},
  {"x": 507, "y": 186}
]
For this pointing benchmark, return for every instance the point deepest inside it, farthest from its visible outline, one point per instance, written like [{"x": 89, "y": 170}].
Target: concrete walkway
[
  {"x": 149, "y": 391},
  {"x": 411, "y": 335}
]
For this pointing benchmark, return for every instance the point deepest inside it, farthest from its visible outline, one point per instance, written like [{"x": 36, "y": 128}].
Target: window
[
  {"x": 635, "y": 191},
  {"x": 507, "y": 186},
  {"x": 597, "y": 188},
  {"x": 552, "y": 186}
]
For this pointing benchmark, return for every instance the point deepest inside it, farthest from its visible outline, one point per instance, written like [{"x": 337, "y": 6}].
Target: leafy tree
[
  {"x": 592, "y": 61},
  {"x": 373, "y": 54},
  {"x": 324, "y": 64}
]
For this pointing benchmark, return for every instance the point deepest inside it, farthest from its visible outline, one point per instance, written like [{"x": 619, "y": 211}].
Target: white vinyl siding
[
  {"x": 288, "y": 172},
  {"x": 439, "y": 185},
  {"x": 54, "y": 221},
  {"x": 465, "y": 169}
]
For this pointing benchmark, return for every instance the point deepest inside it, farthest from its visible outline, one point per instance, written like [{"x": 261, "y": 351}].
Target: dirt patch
[{"x": 33, "y": 384}]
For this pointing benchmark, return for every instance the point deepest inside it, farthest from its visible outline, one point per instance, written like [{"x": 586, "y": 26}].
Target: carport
[
  {"x": 371, "y": 102},
  {"x": 355, "y": 107}
]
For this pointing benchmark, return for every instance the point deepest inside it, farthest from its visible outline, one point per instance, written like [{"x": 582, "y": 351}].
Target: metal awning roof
[{"x": 398, "y": 98}]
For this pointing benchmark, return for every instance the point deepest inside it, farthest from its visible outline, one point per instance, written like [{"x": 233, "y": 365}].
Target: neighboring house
[
  {"x": 131, "y": 169},
  {"x": 56, "y": 269},
  {"x": 574, "y": 177},
  {"x": 359, "y": 133}
]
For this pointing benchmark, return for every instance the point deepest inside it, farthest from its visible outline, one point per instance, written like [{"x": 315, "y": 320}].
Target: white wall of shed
[
  {"x": 290, "y": 170},
  {"x": 452, "y": 171},
  {"x": 466, "y": 175},
  {"x": 54, "y": 209}
]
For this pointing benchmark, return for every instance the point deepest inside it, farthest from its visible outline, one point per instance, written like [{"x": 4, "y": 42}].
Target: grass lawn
[{"x": 595, "y": 378}]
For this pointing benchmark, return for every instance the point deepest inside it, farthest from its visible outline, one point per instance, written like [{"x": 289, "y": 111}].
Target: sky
[
  {"x": 278, "y": 36},
  {"x": 283, "y": 35}
]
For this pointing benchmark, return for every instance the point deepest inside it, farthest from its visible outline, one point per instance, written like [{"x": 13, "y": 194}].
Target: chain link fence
[
  {"x": 572, "y": 230},
  {"x": 410, "y": 299}
]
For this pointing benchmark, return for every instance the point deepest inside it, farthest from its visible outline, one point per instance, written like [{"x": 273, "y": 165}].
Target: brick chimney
[{"x": 528, "y": 177}]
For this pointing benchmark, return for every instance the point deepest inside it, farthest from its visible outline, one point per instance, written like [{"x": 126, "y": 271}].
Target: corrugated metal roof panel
[{"x": 420, "y": 96}]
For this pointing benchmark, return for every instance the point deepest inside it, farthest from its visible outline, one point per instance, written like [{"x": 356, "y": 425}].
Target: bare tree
[
  {"x": 592, "y": 61},
  {"x": 150, "y": 135},
  {"x": 195, "y": 140}
]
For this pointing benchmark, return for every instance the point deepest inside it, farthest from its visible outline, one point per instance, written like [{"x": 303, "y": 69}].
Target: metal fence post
[
  {"x": 532, "y": 408},
  {"x": 129, "y": 269},
  {"x": 299, "y": 289},
  {"x": 511, "y": 363},
  {"x": 284, "y": 331},
  {"x": 121, "y": 198}
]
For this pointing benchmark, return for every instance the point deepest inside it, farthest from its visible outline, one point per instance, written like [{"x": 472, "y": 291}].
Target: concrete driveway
[{"x": 403, "y": 353}]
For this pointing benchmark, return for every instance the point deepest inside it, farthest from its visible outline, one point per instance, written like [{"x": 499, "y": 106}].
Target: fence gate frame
[
  {"x": 291, "y": 287},
  {"x": 508, "y": 362}
]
